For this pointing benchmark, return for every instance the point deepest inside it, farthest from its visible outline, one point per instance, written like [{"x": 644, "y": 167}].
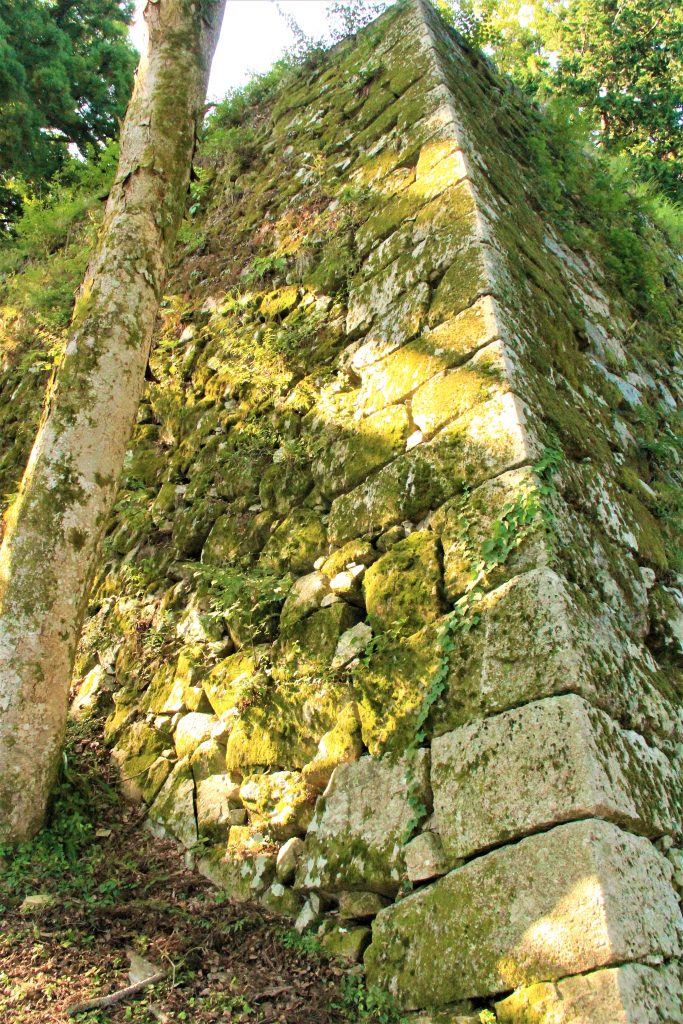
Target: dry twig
[{"x": 116, "y": 997}]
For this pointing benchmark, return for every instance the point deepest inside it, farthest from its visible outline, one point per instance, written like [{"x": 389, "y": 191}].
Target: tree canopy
[
  {"x": 66, "y": 72},
  {"x": 619, "y": 62}
]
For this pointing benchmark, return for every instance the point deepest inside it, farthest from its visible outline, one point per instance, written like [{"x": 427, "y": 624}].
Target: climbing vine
[{"x": 518, "y": 520}]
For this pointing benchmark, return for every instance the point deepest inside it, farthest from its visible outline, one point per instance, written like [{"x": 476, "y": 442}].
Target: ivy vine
[{"x": 519, "y": 518}]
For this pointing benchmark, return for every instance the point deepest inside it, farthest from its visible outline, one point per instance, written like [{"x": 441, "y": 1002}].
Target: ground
[{"x": 116, "y": 888}]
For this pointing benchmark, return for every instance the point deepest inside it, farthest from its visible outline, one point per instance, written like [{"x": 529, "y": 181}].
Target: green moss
[
  {"x": 403, "y": 588},
  {"x": 296, "y": 543},
  {"x": 364, "y": 445},
  {"x": 307, "y": 646}
]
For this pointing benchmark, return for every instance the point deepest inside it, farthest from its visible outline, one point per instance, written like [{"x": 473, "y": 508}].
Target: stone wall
[{"x": 389, "y": 609}]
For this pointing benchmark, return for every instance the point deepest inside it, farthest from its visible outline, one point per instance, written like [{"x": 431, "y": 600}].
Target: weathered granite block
[
  {"x": 486, "y": 440},
  {"x": 452, "y": 342},
  {"x": 581, "y": 896},
  {"x": 551, "y": 761},
  {"x": 630, "y": 994},
  {"x": 355, "y": 839}
]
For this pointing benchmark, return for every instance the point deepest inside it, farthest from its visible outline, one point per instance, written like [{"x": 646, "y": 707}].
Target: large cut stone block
[
  {"x": 537, "y": 637},
  {"x": 485, "y": 441},
  {"x": 630, "y": 994},
  {"x": 355, "y": 839},
  {"x": 452, "y": 342},
  {"x": 453, "y": 392},
  {"x": 581, "y": 896},
  {"x": 551, "y": 761},
  {"x": 173, "y": 810},
  {"x": 465, "y": 523}
]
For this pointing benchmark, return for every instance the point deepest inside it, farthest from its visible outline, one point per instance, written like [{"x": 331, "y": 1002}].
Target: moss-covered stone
[
  {"x": 630, "y": 992},
  {"x": 193, "y": 729},
  {"x": 341, "y": 745},
  {"x": 243, "y": 878},
  {"x": 280, "y": 301},
  {"x": 402, "y": 589},
  {"x": 455, "y": 392},
  {"x": 305, "y": 597},
  {"x": 296, "y": 543},
  {"x": 463, "y": 525},
  {"x": 405, "y": 489},
  {"x": 579, "y": 912},
  {"x": 282, "y": 802},
  {"x": 480, "y": 444},
  {"x": 347, "y": 942},
  {"x": 284, "y": 485},
  {"x": 234, "y": 536},
  {"x": 192, "y": 525},
  {"x": 355, "y": 552},
  {"x": 217, "y": 798},
  {"x": 173, "y": 809},
  {"x": 460, "y": 287},
  {"x": 354, "y": 842},
  {"x": 234, "y": 678},
  {"x": 307, "y": 646},
  {"x": 136, "y": 750},
  {"x": 391, "y": 689},
  {"x": 450, "y": 343},
  {"x": 365, "y": 445}
]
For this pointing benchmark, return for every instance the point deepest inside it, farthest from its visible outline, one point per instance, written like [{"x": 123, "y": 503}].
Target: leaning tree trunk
[{"x": 55, "y": 527}]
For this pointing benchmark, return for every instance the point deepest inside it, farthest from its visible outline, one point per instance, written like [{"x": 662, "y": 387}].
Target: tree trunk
[{"x": 55, "y": 526}]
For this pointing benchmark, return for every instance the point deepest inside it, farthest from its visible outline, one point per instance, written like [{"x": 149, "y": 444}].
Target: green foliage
[
  {"x": 251, "y": 593},
  {"x": 363, "y": 1004},
  {"x": 601, "y": 207},
  {"x": 43, "y": 262},
  {"x": 264, "y": 266},
  {"x": 63, "y": 859},
  {"x": 518, "y": 519},
  {"x": 228, "y": 134},
  {"x": 307, "y": 944},
  {"x": 346, "y": 17},
  {"x": 618, "y": 62},
  {"x": 66, "y": 72}
]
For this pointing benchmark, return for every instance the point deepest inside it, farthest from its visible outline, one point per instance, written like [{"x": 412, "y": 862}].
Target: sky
[{"x": 254, "y": 35}]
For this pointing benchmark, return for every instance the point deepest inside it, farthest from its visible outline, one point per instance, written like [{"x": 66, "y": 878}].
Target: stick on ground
[{"x": 116, "y": 997}]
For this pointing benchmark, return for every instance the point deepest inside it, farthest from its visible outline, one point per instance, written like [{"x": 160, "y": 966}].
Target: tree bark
[{"x": 55, "y": 526}]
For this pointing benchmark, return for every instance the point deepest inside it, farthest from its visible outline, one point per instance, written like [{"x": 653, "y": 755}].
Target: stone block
[
  {"x": 192, "y": 730},
  {"x": 216, "y": 796},
  {"x": 305, "y": 597},
  {"x": 452, "y": 342},
  {"x": 281, "y": 802},
  {"x": 629, "y": 994},
  {"x": 308, "y": 646},
  {"x": 288, "y": 857},
  {"x": 236, "y": 536},
  {"x": 463, "y": 526},
  {"x": 551, "y": 761},
  {"x": 347, "y": 942},
  {"x": 340, "y": 745},
  {"x": 453, "y": 392},
  {"x": 244, "y": 878},
  {"x": 360, "y": 906},
  {"x": 173, "y": 809},
  {"x": 360, "y": 448},
  {"x": 402, "y": 588},
  {"x": 581, "y": 896},
  {"x": 482, "y": 443},
  {"x": 232, "y": 677},
  {"x": 295, "y": 544},
  {"x": 461, "y": 285},
  {"x": 355, "y": 839},
  {"x": 425, "y": 858}
]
